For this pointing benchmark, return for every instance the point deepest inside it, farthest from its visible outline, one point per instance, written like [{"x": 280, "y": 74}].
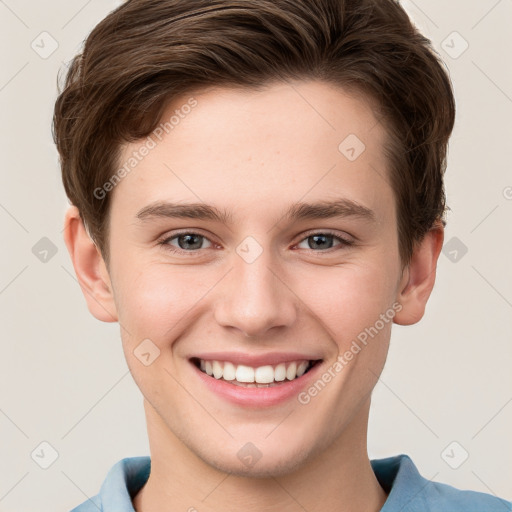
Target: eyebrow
[{"x": 297, "y": 211}]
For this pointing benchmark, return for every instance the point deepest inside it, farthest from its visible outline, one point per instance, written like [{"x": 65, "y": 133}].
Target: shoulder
[
  {"x": 91, "y": 505},
  {"x": 442, "y": 495},
  {"x": 408, "y": 490},
  {"x": 123, "y": 481}
]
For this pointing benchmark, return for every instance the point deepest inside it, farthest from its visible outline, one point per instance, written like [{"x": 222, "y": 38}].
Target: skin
[{"x": 254, "y": 153}]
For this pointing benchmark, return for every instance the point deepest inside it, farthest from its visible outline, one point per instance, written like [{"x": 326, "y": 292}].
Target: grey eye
[
  {"x": 320, "y": 241},
  {"x": 187, "y": 241}
]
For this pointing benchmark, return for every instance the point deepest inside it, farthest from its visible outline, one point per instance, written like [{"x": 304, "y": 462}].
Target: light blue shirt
[{"x": 408, "y": 490}]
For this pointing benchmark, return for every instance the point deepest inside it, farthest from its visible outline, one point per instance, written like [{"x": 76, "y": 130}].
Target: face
[{"x": 257, "y": 240}]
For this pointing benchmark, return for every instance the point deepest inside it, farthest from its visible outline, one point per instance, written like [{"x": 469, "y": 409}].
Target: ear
[
  {"x": 419, "y": 277},
  {"x": 90, "y": 268}
]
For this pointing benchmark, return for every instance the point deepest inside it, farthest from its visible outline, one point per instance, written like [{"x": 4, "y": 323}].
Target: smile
[{"x": 250, "y": 377}]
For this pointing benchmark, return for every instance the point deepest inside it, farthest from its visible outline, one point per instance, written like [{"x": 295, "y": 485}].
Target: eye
[
  {"x": 190, "y": 242},
  {"x": 186, "y": 242},
  {"x": 324, "y": 240}
]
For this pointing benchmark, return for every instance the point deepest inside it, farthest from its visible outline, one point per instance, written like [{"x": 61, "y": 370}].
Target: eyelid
[
  {"x": 344, "y": 241},
  {"x": 163, "y": 240},
  {"x": 345, "y": 238}
]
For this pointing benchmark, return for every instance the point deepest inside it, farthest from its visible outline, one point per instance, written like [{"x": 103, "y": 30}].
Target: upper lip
[{"x": 255, "y": 360}]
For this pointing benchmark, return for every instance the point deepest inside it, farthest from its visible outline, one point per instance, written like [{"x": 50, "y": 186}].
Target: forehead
[{"x": 251, "y": 148}]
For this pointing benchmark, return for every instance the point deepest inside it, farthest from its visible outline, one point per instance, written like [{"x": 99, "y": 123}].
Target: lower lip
[{"x": 258, "y": 397}]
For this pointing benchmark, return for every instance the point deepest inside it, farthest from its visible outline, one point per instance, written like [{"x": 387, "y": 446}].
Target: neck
[{"x": 339, "y": 477}]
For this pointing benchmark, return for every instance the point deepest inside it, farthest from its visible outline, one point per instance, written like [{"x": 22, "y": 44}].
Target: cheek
[
  {"x": 156, "y": 301},
  {"x": 348, "y": 299},
  {"x": 159, "y": 301}
]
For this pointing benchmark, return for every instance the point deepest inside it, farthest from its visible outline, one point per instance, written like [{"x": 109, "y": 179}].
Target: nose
[{"x": 254, "y": 297}]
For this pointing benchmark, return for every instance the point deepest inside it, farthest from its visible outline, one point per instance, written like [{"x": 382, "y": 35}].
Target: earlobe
[
  {"x": 419, "y": 277},
  {"x": 90, "y": 268}
]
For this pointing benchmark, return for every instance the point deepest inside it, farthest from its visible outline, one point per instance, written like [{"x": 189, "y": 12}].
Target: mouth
[{"x": 265, "y": 376}]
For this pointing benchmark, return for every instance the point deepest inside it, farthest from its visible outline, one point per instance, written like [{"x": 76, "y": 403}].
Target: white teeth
[
  {"x": 280, "y": 372},
  {"x": 263, "y": 376},
  {"x": 217, "y": 369},
  {"x": 291, "y": 371},
  {"x": 301, "y": 369},
  {"x": 244, "y": 373},
  {"x": 229, "y": 371}
]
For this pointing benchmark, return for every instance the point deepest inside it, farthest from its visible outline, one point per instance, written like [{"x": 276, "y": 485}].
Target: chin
[{"x": 248, "y": 461}]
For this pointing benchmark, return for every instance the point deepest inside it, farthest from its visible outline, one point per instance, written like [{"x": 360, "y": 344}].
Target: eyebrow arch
[
  {"x": 184, "y": 211},
  {"x": 329, "y": 209},
  {"x": 298, "y": 211}
]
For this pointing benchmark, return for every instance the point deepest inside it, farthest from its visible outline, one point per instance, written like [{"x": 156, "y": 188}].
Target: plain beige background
[{"x": 446, "y": 392}]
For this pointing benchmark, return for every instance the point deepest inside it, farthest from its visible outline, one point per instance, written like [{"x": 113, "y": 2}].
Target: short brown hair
[{"x": 147, "y": 52}]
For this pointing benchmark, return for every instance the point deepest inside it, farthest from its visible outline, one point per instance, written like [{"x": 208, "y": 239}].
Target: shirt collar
[
  {"x": 397, "y": 475},
  {"x": 407, "y": 489},
  {"x": 123, "y": 482}
]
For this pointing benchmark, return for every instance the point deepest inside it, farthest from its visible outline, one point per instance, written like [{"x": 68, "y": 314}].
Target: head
[{"x": 270, "y": 117}]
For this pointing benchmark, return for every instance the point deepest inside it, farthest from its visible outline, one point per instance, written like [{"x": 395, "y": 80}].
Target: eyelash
[{"x": 343, "y": 242}]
